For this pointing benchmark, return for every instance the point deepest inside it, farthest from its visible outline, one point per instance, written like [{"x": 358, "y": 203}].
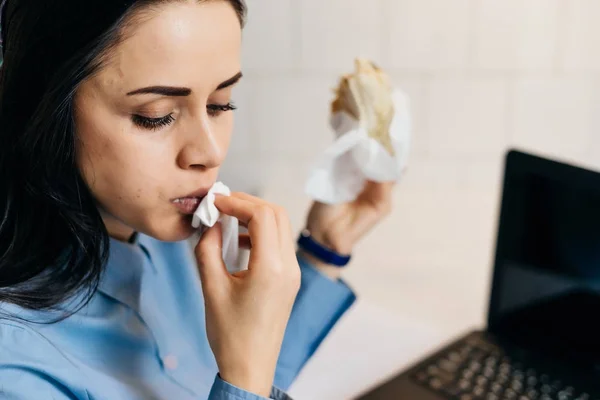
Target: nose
[{"x": 203, "y": 148}]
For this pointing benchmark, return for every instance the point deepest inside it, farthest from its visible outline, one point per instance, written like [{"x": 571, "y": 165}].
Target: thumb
[{"x": 209, "y": 255}]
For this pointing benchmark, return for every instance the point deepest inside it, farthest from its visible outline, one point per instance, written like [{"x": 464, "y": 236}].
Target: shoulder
[
  {"x": 21, "y": 343},
  {"x": 31, "y": 364}
]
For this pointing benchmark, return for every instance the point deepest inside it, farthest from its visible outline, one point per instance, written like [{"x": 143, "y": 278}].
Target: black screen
[{"x": 547, "y": 278}]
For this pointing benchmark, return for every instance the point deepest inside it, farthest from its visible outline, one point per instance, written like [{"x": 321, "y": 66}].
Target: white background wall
[{"x": 482, "y": 75}]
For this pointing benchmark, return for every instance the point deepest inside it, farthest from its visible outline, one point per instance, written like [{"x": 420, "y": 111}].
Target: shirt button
[{"x": 170, "y": 361}]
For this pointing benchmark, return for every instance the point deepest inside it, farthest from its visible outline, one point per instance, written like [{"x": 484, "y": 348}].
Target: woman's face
[{"x": 154, "y": 125}]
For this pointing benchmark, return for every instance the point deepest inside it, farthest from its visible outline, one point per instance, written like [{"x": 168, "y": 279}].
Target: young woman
[{"x": 115, "y": 116}]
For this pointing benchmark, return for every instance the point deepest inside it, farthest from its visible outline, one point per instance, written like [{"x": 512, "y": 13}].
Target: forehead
[{"x": 188, "y": 44}]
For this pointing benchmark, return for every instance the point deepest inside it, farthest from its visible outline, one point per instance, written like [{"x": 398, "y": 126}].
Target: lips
[{"x": 189, "y": 204}]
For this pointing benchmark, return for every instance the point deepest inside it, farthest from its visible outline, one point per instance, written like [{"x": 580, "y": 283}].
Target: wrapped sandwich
[
  {"x": 372, "y": 125},
  {"x": 366, "y": 96}
]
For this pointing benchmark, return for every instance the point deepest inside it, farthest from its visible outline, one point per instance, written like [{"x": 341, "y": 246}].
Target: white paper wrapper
[
  {"x": 340, "y": 174},
  {"x": 207, "y": 215}
]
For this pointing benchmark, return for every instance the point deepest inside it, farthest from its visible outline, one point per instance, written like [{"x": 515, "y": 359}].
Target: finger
[
  {"x": 283, "y": 222},
  {"x": 260, "y": 219},
  {"x": 245, "y": 242},
  {"x": 286, "y": 236},
  {"x": 236, "y": 207},
  {"x": 248, "y": 197},
  {"x": 280, "y": 213},
  {"x": 209, "y": 256}
]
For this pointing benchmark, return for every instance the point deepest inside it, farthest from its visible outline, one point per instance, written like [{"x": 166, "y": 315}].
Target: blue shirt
[{"x": 143, "y": 334}]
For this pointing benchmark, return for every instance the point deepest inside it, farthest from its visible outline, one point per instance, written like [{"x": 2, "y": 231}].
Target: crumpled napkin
[
  {"x": 207, "y": 215},
  {"x": 372, "y": 123}
]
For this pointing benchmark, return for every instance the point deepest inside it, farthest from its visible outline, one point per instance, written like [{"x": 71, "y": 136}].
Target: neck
[{"x": 117, "y": 229}]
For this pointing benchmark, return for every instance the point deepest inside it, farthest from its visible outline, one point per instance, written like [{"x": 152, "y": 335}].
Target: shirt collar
[{"x": 123, "y": 275}]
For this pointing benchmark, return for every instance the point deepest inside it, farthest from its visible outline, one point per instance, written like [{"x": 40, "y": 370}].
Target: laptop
[{"x": 542, "y": 339}]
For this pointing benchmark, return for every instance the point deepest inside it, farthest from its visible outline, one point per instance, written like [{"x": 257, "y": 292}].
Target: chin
[{"x": 172, "y": 230}]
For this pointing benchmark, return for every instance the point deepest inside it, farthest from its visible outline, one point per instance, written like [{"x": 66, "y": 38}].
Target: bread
[{"x": 366, "y": 95}]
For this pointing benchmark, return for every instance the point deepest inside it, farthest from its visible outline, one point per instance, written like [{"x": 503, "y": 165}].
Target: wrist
[
  {"x": 330, "y": 249},
  {"x": 332, "y": 242},
  {"x": 322, "y": 254},
  {"x": 330, "y": 271}
]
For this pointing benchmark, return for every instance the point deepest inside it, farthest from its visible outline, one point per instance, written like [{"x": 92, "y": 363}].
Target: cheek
[
  {"x": 118, "y": 171},
  {"x": 130, "y": 185}
]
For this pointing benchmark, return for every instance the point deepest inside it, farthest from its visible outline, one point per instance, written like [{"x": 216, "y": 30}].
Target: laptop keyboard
[{"x": 480, "y": 370}]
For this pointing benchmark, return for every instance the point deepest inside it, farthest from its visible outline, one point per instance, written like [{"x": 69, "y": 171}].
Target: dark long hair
[{"x": 53, "y": 243}]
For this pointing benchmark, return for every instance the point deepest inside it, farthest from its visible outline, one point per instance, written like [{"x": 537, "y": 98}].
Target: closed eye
[
  {"x": 152, "y": 123},
  {"x": 214, "y": 110}
]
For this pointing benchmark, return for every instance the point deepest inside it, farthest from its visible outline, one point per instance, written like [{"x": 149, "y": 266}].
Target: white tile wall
[
  {"x": 333, "y": 32},
  {"x": 290, "y": 116},
  {"x": 466, "y": 116},
  {"x": 428, "y": 34},
  {"x": 515, "y": 34},
  {"x": 481, "y": 75},
  {"x": 553, "y": 115},
  {"x": 581, "y": 35},
  {"x": 263, "y": 49}
]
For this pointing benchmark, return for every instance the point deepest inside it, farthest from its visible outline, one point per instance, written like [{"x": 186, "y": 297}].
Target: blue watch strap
[{"x": 324, "y": 254}]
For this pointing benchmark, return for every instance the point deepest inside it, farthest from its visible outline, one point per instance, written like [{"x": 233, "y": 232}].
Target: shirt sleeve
[
  {"x": 222, "y": 390},
  {"x": 320, "y": 303}
]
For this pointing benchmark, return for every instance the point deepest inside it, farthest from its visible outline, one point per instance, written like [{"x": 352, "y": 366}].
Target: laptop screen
[{"x": 546, "y": 289}]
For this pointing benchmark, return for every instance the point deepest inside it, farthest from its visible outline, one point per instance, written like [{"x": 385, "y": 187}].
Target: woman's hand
[
  {"x": 247, "y": 312},
  {"x": 341, "y": 226}
]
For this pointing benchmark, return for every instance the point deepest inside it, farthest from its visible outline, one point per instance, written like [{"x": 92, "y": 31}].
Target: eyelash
[
  {"x": 214, "y": 110},
  {"x": 152, "y": 123}
]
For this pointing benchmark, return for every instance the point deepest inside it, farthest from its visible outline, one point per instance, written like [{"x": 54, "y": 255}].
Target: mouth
[{"x": 189, "y": 203}]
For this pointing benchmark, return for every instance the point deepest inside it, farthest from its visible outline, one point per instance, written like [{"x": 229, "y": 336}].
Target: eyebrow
[
  {"x": 231, "y": 81},
  {"x": 182, "y": 91},
  {"x": 163, "y": 91}
]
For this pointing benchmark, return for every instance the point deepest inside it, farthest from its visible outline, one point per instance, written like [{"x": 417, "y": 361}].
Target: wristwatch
[{"x": 321, "y": 252}]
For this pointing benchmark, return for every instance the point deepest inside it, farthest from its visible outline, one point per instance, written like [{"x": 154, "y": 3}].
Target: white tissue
[
  {"x": 208, "y": 215},
  {"x": 340, "y": 174}
]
